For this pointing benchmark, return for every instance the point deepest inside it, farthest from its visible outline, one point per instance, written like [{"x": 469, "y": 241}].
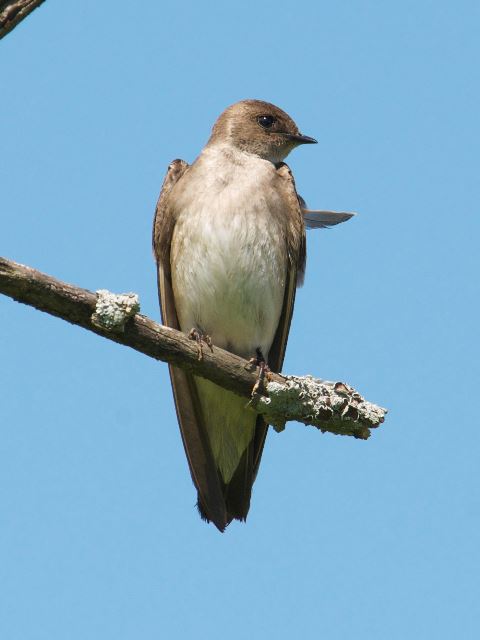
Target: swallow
[{"x": 229, "y": 243}]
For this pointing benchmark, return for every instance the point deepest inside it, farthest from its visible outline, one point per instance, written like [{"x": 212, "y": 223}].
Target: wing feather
[
  {"x": 296, "y": 248},
  {"x": 324, "y": 219},
  {"x": 193, "y": 431}
]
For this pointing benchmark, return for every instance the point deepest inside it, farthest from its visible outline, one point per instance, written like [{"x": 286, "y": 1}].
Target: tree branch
[
  {"x": 12, "y": 12},
  {"x": 334, "y": 407}
]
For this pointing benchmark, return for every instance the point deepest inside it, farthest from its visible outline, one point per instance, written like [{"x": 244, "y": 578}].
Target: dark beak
[{"x": 299, "y": 138}]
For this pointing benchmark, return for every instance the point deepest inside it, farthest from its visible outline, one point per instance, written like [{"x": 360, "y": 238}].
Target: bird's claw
[
  {"x": 263, "y": 373},
  {"x": 251, "y": 364},
  {"x": 200, "y": 338}
]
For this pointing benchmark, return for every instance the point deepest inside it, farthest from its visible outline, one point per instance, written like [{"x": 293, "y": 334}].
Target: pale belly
[{"x": 228, "y": 276}]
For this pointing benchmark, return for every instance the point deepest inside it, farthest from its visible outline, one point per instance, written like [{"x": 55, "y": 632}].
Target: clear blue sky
[{"x": 99, "y": 537}]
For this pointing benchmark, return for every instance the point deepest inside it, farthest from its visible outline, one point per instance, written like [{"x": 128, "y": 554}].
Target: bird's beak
[{"x": 298, "y": 138}]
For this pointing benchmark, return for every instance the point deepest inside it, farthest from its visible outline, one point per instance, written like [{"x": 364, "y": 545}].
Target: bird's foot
[
  {"x": 263, "y": 372},
  {"x": 257, "y": 361},
  {"x": 201, "y": 339}
]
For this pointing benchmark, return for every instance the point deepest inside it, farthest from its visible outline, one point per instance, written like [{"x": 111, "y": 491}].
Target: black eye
[{"x": 266, "y": 121}]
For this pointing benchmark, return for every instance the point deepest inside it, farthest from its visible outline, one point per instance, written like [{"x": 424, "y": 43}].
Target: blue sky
[{"x": 99, "y": 537}]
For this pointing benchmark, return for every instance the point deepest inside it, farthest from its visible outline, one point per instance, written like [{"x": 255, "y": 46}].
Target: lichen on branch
[{"x": 331, "y": 406}]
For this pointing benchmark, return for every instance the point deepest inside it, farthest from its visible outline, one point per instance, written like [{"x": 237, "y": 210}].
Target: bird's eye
[{"x": 266, "y": 121}]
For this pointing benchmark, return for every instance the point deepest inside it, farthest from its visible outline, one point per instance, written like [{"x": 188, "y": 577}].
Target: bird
[{"x": 229, "y": 243}]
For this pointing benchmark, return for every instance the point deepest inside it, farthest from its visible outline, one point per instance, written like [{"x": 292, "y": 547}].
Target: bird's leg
[
  {"x": 263, "y": 371},
  {"x": 200, "y": 338},
  {"x": 256, "y": 361}
]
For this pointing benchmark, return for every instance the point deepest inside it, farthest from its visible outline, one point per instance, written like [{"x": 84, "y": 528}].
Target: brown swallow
[{"x": 229, "y": 241}]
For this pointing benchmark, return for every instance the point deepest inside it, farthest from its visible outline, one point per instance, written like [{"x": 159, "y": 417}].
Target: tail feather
[
  {"x": 238, "y": 491},
  {"x": 203, "y": 512}
]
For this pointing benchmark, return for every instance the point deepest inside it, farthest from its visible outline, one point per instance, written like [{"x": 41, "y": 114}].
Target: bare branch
[
  {"x": 12, "y": 12},
  {"x": 334, "y": 407}
]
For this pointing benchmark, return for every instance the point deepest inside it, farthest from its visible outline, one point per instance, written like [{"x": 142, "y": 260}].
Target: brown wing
[
  {"x": 194, "y": 434},
  {"x": 296, "y": 246}
]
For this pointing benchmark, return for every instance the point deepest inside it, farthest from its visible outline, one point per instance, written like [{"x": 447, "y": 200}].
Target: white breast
[{"x": 228, "y": 254}]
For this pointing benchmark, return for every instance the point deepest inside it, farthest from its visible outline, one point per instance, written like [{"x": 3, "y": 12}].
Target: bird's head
[{"x": 259, "y": 128}]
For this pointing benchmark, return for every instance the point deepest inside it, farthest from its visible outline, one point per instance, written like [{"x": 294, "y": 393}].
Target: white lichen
[
  {"x": 330, "y": 406},
  {"x": 114, "y": 309}
]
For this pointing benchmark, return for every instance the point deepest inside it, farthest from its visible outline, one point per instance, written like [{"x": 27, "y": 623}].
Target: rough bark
[
  {"x": 12, "y": 12},
  {"x": 330, "y": 406}
]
